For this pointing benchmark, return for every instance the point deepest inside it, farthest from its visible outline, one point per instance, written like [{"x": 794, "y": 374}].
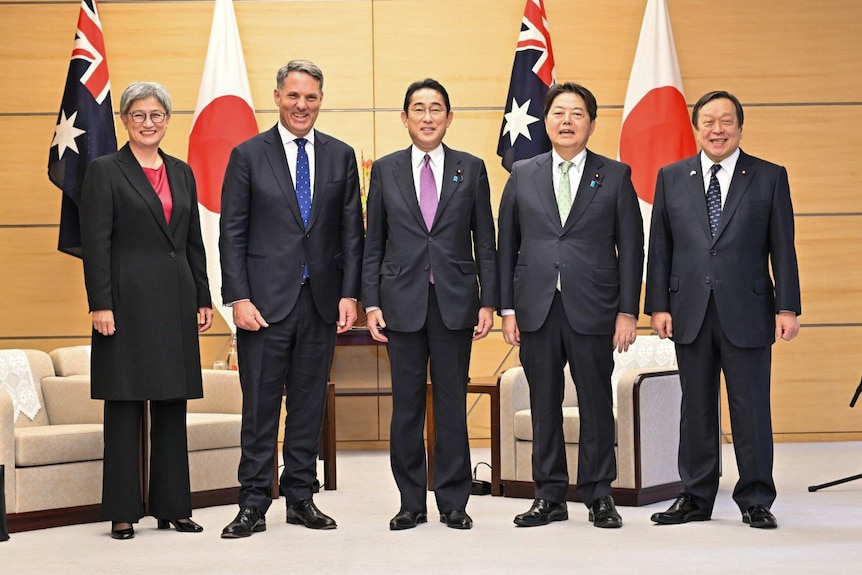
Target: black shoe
[
  {"x": 249, "y": 520},
  {"x": 306, "y": 513},
  {"x": 456, "y": 519},
  {"x": 604, "y": 514},
  {"x": 541, "y": 513},
  {"x": 683, "y": 510},
  {"x": 127, "y": 533},
  {"x": 407, "y": 520},
  {"x": 760, "y": 517},
  {"x": 181, "y": 525}
]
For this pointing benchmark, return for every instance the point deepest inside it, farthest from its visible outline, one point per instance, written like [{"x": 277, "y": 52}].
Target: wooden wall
[{"x": 798, "y": 78}]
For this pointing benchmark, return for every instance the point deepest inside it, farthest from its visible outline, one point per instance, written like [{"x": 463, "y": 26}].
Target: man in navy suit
[
  {"x": 291, "y": 251},
  {"x": 571, "y": 260},
  {"x": 429, "y": 279},
  {"x": 719, "y": 220}
]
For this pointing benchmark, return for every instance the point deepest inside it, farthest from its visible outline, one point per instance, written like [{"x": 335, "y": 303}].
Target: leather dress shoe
[
  {"x": 541, "y": 513},
  {"x": 407, "y": 520},
  {"x": 457, "y": 519},
  {"x": 683, "y": 510},
  {"x": 181, "y": 525},
  {"x": 249, "y": 520},
  {"x": 604, "y": 514},
  {"x": 306, "y": 513},
  {"x": 759, "y": 517},
  {"x": 127, "y": 533}
]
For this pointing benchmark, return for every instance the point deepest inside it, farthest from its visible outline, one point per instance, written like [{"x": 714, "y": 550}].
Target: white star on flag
[
  {"x": 65, "y": 134},
  {"x": 518, "y": 121}
]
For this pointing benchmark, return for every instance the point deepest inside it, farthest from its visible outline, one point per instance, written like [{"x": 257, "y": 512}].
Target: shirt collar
[
  {"x": 728, "y": 164},
  {"x": 417, "y": 156},
  {"x": 287, "y": 136},
  {"x": 577, "y": 162}
]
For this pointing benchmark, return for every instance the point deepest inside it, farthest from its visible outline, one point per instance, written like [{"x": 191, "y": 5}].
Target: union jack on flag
[
  {"x": 522, "y": 134},
  {"x": 85, "y": 123}
]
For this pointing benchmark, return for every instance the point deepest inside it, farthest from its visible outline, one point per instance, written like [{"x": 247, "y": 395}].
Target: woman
[{"x": 146, "y": 280}]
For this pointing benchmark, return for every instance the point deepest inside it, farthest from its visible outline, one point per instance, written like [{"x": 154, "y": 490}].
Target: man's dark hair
[
  {"x": 715, "y": 95},
  {"x": 573, "y": 88},
  {"x": 431, "y": 84}
]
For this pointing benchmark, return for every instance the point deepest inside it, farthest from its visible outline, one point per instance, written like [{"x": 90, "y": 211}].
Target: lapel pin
[
  {"x": 458, "y": 177},
  {"x": 693, "y": 173},
  {"x": 743, "y": 172},
  {"x": 597, "y": 181}
]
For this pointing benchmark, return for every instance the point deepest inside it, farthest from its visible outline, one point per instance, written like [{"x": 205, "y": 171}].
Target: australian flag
[
  {"x": 523, "y": 132},
  {"x": 85, "y": 124}
]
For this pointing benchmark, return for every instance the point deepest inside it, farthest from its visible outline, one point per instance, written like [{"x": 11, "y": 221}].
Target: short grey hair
[
  {"x": 141, "y": 91},
  {"x": 304, "y": 66}
]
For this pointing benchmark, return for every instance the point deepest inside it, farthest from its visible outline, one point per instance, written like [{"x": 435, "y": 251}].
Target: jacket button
[
  {"x": 430, "y": 239},
  {"x": 556, "y": 265},
  {"x": 307, "y": 235},
  {"x": 708, "y": 279},
  {"x": 427, "y": 267},
  {"x": 713, "y": 252},
  {"x": 173, "y": 254}
]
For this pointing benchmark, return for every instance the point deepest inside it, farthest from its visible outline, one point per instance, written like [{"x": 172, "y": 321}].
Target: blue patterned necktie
[
  {"x": 303, "y": 180},
  {"x": 713, "y": 200}
]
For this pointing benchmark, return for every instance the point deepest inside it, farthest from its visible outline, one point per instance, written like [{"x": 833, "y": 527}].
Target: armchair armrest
[
  {"x": 648, "y": 427},
  {"x": 222, "y": 393},
  {"x": 514, "y": 397},
  {"x": 7, "y": 448}
]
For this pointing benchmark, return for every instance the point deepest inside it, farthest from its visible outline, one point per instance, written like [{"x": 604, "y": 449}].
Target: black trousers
[
  {"x": 747, "y": 377},
  {"x": 449, "y": 354},
  {"x": 544, "y": 354},
  {"x": 291, "y": 358},
  {"x": 169, "y": 490}
]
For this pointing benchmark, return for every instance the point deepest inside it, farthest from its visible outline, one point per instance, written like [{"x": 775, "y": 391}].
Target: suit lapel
[
  {"x": 403, "y": 174},
  {"x": 134, "y": 173},
  {"x": 742, "y": 177},
  {"x": 451, "y": 179},
  {"x": 179, "y": 193},
  {"x": 591, "y": 180},
  {"x": 274, "y": 151},
  {"x": 697, "y": 194},
  {"x": 543, "y": 180},
  {"x": 321, "y": 172}
]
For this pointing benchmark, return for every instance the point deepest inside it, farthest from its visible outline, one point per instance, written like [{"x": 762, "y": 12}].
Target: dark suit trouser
[
  {"x": 449, "y": 353},
  {"x": 290, "y": 358},
  {"x": 747, "y": 377},
  {"x": 544, "y": 354},
  {"x": 169, "y": 491}
]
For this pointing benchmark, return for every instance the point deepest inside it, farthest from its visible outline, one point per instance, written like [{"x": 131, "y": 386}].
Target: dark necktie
[
  {"x": 303, "y": 180},
  {"x": 713, "y": 199},
  {"x": 427, "y": 197}
]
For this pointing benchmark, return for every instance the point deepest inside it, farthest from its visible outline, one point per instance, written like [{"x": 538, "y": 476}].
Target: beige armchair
[
  {"x": 647, "y": 402},
  {"x": 53, "y": 463}
]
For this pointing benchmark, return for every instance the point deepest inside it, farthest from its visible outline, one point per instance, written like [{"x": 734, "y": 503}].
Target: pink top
[{"x": 159, "y": 179}]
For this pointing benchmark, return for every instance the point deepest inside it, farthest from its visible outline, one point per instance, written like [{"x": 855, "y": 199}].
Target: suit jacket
[
  {"x": 459, "y": 248},
  {"x": 151, "y": 273},
  {"x": 686, "y": 263},
  {"x": 263, "y": 243},
  {"x": 598, "y": 252}
]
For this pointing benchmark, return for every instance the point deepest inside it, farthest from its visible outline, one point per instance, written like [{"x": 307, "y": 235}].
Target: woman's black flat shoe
[
  {"x": 181, "y": 525},
  {"x": 128, "y": 533}
]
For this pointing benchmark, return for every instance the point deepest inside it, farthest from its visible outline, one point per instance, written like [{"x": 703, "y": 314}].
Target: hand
[
  {"x": 205, "y": 318},
  {"x": 786, "y": 326},
  {"x": 511, "y": 333},
  {"x": 484, "y": 324},
  {"x": 375, "y": 324},
  {"x": 247, "y": 317},
  {"x": 662, "y": 323},
  {"x": 625, "y": 332},
  {"x": 346, "y": 314},
  {"x": 103, "y": 321}
]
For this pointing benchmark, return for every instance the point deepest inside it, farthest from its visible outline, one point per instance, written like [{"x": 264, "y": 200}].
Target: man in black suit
[
  {"x": 719, "y": 219},
  {"x": 570, "y": 259},
  {"x": 291, "y": 251},
  {"x": 430, "y": 237}
]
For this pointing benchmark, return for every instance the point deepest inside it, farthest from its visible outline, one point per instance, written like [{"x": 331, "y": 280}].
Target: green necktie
[
  {"x": 564, "y": 199},
  {"x": 564, "y": 194}
]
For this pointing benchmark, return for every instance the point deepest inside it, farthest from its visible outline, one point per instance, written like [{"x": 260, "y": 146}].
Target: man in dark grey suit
[
  {"x": 571, "y": 260},
  {"x": 291, "y": 251},
  {"x": 430, "y": 237},
  {"x": 719, "y": 219}
]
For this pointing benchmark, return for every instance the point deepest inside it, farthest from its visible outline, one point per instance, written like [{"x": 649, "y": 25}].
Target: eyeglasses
[
  {"x": 420, "y": 112},
  {"x": 141, "y": 117}
]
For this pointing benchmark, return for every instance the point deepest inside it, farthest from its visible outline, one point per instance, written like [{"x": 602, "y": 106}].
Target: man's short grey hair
[
  {"x": 141, "y": 91},
  {"x": 304, "y": 66}
]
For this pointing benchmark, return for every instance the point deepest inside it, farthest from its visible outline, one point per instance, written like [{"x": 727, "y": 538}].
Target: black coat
[{"x": 151, "y": 274}]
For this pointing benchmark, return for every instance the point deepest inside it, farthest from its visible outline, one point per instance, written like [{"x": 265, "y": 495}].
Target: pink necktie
[{"x": 427, "y": 197}]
